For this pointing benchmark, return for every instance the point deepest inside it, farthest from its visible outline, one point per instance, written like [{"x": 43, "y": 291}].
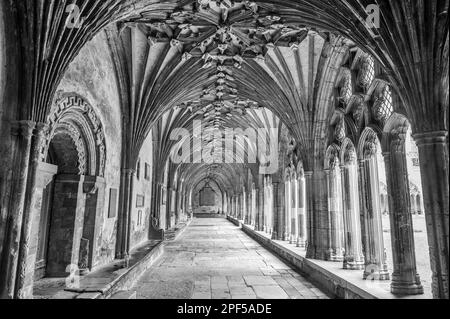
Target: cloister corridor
[
  {"x": 214, "y": 259},
  {"x": 224, "y": 149}
]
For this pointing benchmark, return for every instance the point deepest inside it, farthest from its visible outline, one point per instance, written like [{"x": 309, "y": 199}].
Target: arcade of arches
[{"x": 115, "y": 130}]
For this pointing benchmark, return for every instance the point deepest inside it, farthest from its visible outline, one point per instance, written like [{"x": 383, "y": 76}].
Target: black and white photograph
[{"x": 224, "y": 155}]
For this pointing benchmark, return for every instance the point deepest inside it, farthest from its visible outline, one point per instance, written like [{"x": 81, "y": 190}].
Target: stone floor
[{"x": 214, "y": 259}]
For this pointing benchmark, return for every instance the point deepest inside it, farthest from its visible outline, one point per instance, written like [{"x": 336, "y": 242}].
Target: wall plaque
[{"x": 112, "y": 211}]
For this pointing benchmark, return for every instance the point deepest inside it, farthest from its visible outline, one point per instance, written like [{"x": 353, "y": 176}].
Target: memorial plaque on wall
[
  {"x": 112, "y": 212},
  {"x": 140, "y": 201}
]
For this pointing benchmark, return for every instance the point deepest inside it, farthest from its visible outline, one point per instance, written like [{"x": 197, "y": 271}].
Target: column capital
[
  {"x": 23, "y": 128},
  {"x": 431, "y": 138},
  {"x": 128, "y": 171},
  {"x": 40, "y": 129},
  {"x": 309, "y": 173}
]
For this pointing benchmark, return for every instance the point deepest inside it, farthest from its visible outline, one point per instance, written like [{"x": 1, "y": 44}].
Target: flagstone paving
[{"x": 214, "y": 259}]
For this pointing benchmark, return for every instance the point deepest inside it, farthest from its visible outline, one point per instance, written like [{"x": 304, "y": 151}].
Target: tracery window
[
  {"x": 386, "y": 106},
  {"x": 346, "y": 90},
  {"x": 383, "y": 107},
  {"x": 367, "y": 71}
]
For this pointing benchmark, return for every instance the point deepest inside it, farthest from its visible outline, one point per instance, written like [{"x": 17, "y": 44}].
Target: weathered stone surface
[{"x": 214, "y": 260}]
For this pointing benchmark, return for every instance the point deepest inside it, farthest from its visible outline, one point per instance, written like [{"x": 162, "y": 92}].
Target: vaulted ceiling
[
  {"x": 224, "y": 61},
  {"x": 412, "y": 42}
]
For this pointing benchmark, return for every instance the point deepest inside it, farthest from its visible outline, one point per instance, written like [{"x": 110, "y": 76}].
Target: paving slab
[{"x": 214, "y": 259}]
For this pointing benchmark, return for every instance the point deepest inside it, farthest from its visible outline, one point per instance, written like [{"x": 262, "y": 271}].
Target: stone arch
[
  {"x": 287, "y": 174},
  {"x": 74, "y": 142},
  {"x": 348, "y": 152},
  {"x": 396, "y": 127},
  {"x": 368, "y": 142},
  {"x": 74, "y": 117},
  {"x": 207, "y": 196},
  {"x": 300, "y": 170},
  {"x": 332, "y": 156}
]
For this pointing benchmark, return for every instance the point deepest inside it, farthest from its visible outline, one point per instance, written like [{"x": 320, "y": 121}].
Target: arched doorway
[{"x": 73, "y": 193}]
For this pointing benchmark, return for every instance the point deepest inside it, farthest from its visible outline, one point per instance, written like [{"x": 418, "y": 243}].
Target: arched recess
[
  {"x": 74, "y": 117},
  {"x": 207, "y": 197},
  {"x": 73, "y": 189}
]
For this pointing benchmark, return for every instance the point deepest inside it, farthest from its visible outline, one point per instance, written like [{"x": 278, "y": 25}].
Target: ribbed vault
[
  {"x": 279, "y": 68},
  {"x": 415, "y": 60}
]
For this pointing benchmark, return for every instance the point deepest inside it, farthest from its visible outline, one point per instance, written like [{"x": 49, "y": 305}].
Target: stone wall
[
  {"x": 211, "y": 203},
  {"x": 140, "y": 215},
  {"x": 91, "y": 76}
]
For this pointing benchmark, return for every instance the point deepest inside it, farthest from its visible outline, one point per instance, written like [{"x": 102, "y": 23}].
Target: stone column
[
  {"x": 130, "y": 176},
  {"x": 231, "y": 202},
  {"x": 236, "y": 204},
  {"x": 24, "y": 267},
  {"x": 353, "y": 257},
  {"x": 243, "y": 207},
  {"x": 267, "y": 213},
  {"x": 231, "y": 205},
  {"x": 66, "y": 227},
  {"x": 317, "y": 206},
  {"x": 302, "y": 212},
  {"x": 177, "y": 206},
  {"x": 296, "y": 214},
  {"x": 281, "y": 210},
  {"x": 287, "y": 215},
  {"x": 374, "y": 253},
  {"x": 276, "y": 210},
  {"x": 124, "y": 213},
  {"x": 248, "y": 200},
  {"x": 254, "y": 205},
  {"x": 238, "y": 211},
  {"x": 257, "y": 208},
  {"x": 169, "y": 208},
  {"x": 405, "y": 280},
  {"x": 23, "y": 132},
  {"x": 238, "y": 207},
  {"x": 263, "y": 198},
  {"x": 45, "y": 174},
  {"x": 310, "y": 251},
  {"x": 434, "y": 167},
  {"x": 94, "y": 187},
  {"x": 222, "y": 204},
  {"x": 294, "y": 230},
  {"x": 225, "y": 204},
  {"x": 261, "y": 210},
  {"x": 336, "y": 219}
]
